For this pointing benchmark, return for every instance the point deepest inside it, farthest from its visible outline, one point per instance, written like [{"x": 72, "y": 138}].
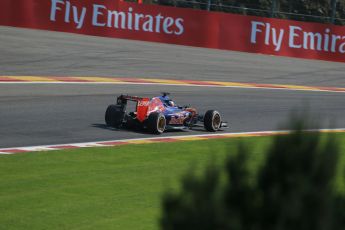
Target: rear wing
[
  {"x": 124, "y": 98},
  {"x": 141, "y": 107}
]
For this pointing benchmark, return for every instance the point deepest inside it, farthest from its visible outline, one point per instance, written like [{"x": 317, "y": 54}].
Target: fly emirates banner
[{"x": 111, "y": 18}]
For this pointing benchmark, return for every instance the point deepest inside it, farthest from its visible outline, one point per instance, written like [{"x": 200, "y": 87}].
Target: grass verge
[{"x": 108, "y": 188}]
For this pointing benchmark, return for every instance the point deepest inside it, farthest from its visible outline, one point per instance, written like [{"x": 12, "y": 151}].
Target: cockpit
[{"x": 167, "y": 102}]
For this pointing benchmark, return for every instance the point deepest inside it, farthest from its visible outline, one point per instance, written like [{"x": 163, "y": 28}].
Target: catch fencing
[{"x": 327, "y": 11}]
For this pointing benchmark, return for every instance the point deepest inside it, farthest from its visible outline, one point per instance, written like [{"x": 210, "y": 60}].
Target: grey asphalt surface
[
  {"x": 34, "y": 52},
  {"x": 42, "y": 114},
  {"x": 59, "y": 114}
]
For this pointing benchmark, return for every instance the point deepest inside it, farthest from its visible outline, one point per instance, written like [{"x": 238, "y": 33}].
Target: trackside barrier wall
[{"x": 111, "y": 18}]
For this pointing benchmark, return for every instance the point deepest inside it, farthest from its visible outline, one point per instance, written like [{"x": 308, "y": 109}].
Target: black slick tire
[
  {"x": 114, "y": 116},
  {"x": 156, "y": 123},
  {"x": 212, "y": 120}
]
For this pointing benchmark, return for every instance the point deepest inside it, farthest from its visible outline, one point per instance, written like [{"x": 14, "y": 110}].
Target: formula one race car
[{"x": 158, "y": 114}]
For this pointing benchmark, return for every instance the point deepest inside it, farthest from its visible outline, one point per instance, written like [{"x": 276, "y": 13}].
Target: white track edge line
[
  {"x": 103, "y": 143},
  {"x": 137, "y": 139},
  {"x": 187, "y": 85}
]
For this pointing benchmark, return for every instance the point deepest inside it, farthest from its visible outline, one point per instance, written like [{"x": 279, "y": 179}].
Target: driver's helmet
[
  {"x": 166, "y": 101},
  {"x": 171, "y": 103}
]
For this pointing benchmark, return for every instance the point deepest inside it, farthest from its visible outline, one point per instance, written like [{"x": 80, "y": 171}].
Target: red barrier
[{"x": 110, "y": 18}]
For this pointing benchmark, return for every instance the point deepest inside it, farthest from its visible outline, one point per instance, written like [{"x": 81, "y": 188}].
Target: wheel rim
[
  {"x": 216, "y": 121},
  {"x": 161, "y": 124}
]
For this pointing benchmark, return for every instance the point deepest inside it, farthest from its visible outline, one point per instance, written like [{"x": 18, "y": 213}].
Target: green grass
[{"x": 106, "y": 188}]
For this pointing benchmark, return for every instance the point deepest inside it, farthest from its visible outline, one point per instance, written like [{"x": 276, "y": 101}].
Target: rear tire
[
  {"x": 156, "y": 123},
  {"x": 114, "y": 115},
  {"x": 212, "y": 120}
]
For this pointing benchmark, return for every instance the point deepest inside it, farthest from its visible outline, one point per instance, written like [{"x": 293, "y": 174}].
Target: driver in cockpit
[{"x": 167, "y": 101}]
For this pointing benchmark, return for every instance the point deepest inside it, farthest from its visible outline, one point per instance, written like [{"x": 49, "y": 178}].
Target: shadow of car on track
[{"x": 143, "y": 131}]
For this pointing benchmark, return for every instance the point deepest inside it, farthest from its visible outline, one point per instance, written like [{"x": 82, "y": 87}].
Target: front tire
[
  {"x": 156, "y": 123},
  {"x": 212, "y": 120},
  {"x": 114, "y": 116}
]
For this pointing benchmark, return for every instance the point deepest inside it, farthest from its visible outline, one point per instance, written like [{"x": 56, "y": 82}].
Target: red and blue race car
[{"x": 159, "y": 114}]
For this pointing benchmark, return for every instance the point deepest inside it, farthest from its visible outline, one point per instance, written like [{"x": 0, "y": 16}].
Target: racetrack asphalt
[
  {"x": 42, "y": 114},
  {"x": 35, "y": 52},
  {"x": 58, "y": 114}
]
